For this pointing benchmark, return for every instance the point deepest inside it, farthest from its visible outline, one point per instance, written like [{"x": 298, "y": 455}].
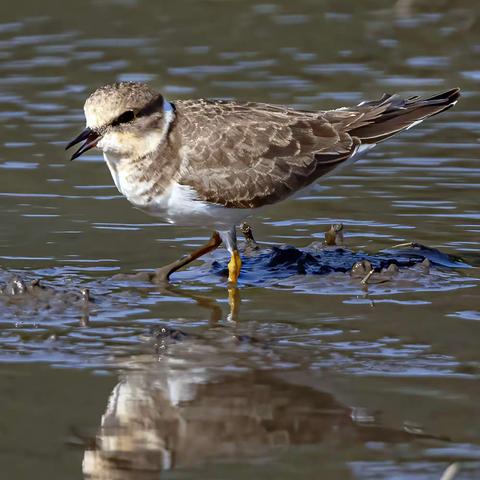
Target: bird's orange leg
[
  {"x": 229, "y": 238},
  {"x": 162, "y": 274},
  {"x": 234, "y": 267}
]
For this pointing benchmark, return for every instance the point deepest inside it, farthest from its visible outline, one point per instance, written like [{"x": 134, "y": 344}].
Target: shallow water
[{"x": 313, "y": 377}]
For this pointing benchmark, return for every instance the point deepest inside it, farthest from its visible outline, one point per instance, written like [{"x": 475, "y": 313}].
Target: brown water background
[{"x": 315, "y": 379}]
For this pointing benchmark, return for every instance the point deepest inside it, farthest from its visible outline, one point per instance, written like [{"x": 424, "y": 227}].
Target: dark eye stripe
[{"x": 125, "y": 117}]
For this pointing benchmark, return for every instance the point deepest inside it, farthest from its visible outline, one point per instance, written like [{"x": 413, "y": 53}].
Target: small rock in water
[
  {"x": 426, "y": 264},
  {"x": 15, "y": 286},
  {"x": 34, "y": 296},
  {"x": 392, "y": 268},
  {"x": 250, "y": 244},
  {"x": 360, "y": 269}
]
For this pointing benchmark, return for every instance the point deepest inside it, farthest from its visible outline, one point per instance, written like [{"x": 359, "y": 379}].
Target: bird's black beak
[{"x": 91, "y": 139}]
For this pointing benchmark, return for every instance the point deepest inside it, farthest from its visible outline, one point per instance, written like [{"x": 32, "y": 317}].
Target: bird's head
[{"x": 127, "y": 118}]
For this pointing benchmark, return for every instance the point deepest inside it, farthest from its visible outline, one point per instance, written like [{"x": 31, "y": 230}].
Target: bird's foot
[{"x": 161, "y": 276}]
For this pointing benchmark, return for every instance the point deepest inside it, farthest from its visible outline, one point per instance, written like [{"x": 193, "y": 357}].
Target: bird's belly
[
  {"x": 175, "y": 203},
  {"x": 179, "y": 205}
]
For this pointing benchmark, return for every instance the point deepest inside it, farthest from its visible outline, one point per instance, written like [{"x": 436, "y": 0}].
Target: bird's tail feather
[{"x": 385, "y": 117}]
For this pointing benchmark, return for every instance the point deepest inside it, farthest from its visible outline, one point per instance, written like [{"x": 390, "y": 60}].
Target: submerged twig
[
  {"x": 366, "y": 278},
  {"x": 406, "y": 244}
]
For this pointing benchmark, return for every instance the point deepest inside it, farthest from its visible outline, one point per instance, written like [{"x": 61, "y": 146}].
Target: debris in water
[{"x": 334, "y": 235}]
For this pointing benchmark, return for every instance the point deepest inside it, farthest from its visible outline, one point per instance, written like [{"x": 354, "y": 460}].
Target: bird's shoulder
[
  {"x": 229, "y": 112},
  {"x": 270, "y": 130}
]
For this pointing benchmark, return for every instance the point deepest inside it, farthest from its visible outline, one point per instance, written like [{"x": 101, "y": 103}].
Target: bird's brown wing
[
  {"x": 252, "y": 154},
  {"x": 249, "y": 155}
]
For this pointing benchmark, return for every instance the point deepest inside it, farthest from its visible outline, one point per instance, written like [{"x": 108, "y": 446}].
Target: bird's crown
[{"x": 108, "y": 103}]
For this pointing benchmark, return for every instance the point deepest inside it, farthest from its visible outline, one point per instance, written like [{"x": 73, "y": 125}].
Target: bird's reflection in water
[
  {"x": 209, "y": 303},
  {"x": 163, "y": 417}
]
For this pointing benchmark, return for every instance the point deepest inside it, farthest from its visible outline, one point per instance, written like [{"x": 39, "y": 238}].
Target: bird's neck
[{"x": 143, "y": 177}]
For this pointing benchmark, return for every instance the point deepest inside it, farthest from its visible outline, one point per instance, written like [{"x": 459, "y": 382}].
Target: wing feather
[
  {"x": 250, "y": 155},
  {"x": 246, "y": 155}
]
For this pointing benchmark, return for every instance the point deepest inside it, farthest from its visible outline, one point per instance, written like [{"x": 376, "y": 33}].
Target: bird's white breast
[
  {"x": 177, "y": 204},
  {"x": 127, "y": 180}
]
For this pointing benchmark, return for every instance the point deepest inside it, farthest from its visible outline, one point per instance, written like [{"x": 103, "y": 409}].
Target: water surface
[{"x": 314, "y": 377}]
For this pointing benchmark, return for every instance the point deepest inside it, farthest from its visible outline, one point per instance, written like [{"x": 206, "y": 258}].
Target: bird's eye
[{"x": 125, "y": 117}]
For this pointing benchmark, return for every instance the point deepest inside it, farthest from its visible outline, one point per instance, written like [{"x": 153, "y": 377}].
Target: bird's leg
[
  {"x": 229, "y": 238},
  {"x": 234, "y": 303},
  {"x": 234, "y": 266},
  {"x": 162, "y": 274}
]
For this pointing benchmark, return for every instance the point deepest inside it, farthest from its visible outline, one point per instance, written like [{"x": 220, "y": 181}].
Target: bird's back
[{"x": 247, "y": 155}]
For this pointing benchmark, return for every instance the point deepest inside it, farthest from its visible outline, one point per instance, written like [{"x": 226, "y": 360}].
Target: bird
[{"x": 213, "y": 163}]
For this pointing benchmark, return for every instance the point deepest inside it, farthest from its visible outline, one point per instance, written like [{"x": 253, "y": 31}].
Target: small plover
[{"x": 213, "y": 162}]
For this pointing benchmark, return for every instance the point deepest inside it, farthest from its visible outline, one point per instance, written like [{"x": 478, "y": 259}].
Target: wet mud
[
  {"x": 268, "y": 266},
  {"x": 23, "y": 293}
]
